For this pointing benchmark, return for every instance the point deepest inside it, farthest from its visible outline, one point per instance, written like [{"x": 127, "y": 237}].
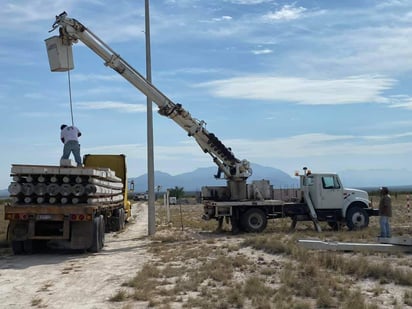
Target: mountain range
[
  {"x": 397, "y": 180},
  {"x": 195, "y": 180}
]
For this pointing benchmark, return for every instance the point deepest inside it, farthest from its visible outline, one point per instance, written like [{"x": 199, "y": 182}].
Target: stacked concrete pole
[{"x": 34, "y": 184}]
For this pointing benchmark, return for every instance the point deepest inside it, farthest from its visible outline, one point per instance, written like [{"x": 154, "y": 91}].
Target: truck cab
[
  {"x": 332, "y": 202},
  {"x": 116, "y": 163}
]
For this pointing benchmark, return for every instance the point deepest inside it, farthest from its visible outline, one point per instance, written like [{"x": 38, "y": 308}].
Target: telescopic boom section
[{"x": 234, "y": 169}]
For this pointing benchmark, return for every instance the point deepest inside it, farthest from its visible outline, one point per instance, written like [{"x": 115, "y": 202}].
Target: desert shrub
[
  {"x": 267, "y": 244},
  {"x": 120, "y": 296}
]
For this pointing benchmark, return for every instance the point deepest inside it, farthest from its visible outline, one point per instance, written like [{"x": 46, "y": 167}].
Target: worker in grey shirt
[{"x": 69, "y": 136}]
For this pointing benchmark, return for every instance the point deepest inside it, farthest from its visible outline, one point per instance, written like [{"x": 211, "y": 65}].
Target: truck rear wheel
[
  {"x": 22, "y": 246},
  {"x": 122, "y": 216},
  {"x": 17, "y": 247},
  {"x": 254, "y": 220},
  {"x": 357, "y": 218},
  {"x": 118, "y": 220},
  {"x": 102, "y": 231},
  {"x": 98, "y": 233}
]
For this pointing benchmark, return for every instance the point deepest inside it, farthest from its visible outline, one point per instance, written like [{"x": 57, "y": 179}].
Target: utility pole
[{"x": 150, "y": 156}]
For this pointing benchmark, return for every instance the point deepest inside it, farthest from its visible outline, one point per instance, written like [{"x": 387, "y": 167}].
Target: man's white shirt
[{"x": 70, "y": 134}]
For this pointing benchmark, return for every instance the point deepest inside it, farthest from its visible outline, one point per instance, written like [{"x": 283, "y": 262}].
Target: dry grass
[
  {"x": 196, "y": 267},
  {"x": 37, "y": 302},
  {"x": 119, "y": 296}
]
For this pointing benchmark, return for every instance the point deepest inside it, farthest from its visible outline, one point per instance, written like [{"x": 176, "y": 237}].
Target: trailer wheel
[
  {"x": 122, "y": 219},
  {"x": 102, "y": 231},
  {"x": 96, "y": 239},
  {"x": 254, "y": 220},
  {"x": 357, "y": 218},
  {"x": 17, "y": 247},
  {"x": 118, "y": 220},
  {"x": 28, "y": 246}
]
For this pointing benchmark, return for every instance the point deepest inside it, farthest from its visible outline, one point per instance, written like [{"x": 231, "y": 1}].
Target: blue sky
[{"x": 286, "y": 84}]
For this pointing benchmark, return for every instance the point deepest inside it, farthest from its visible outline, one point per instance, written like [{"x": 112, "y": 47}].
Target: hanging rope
[
  {"x": 70, "y": 96},
  {"x": 70, "y": 86}
]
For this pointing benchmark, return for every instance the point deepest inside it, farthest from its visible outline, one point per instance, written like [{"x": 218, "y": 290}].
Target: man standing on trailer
[{"x": 69, "y": 136}]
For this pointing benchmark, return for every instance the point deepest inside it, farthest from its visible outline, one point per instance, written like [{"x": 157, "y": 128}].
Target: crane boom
[{"x": 235, "y": 170}]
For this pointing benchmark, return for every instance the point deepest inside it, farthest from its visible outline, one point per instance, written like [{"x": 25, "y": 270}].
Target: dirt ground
[
  {"x": 75, "y": 280},
  {"x": 84, "y": 280}
]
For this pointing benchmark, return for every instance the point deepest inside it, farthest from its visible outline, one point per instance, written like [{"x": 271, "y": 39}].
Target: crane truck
[{"x": 247, "y": 206}]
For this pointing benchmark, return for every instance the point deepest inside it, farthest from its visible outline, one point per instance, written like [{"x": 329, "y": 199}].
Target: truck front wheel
[
  {"x": 254, "y": 220},
  {"x": 357, "y": 218}
]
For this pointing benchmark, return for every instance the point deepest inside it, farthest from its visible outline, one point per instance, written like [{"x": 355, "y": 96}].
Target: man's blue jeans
[
  {"x": 72, "y": 146},
  {"x": 385, "y": 228}
]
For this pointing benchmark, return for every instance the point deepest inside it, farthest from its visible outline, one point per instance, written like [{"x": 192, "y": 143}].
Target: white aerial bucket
[{"x": 60, "y": 56}]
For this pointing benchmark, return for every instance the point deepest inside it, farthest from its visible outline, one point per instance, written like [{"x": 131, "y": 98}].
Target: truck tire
[
  {"x": 118, "y": 220},
  {"x": 235, "y": 221},
  {"x": 253, "y": 220},
  {"x": 357, "y": 218},
  {"x": 122, "y": 219},
  {"x": 28, "y": 246},
  {"x": 17, "y": 246},
  {"x": 96, "y": 239},
  {"x": 102, "y": 231}
]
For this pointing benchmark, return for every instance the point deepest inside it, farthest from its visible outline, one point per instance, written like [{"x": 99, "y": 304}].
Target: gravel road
[{"x": 56, "y": 279}]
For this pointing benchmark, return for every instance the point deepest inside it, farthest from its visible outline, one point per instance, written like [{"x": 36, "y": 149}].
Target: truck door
[{"x": 331, "y": 193}]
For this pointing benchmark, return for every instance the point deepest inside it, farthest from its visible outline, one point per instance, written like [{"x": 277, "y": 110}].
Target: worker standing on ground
[
  {"x": 385, "y": 212},
  {"x": 69, "y": 136}
]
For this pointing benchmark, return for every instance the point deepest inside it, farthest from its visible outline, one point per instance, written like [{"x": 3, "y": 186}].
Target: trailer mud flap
[
  {"x": 17, "y": 231},
  {"x": 81, "y": 235}
]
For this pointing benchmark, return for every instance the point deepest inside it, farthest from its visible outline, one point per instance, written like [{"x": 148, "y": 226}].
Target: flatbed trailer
[{"x": 67, "y": 207}]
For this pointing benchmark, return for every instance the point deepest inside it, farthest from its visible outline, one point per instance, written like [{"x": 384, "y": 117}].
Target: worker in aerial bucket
[{"x": 69, "y": 136}]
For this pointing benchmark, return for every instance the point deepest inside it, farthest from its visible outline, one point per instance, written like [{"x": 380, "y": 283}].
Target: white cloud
[
  {"x": 393, "y": 3},
  {"x": 223, "y": 18},
  {"x": 96, "y": 77},
  {"x": 381, "y": 49},
  {"x": 19, "y": 13},
  {"x": 319, "y": 145},
  {"x": 287, "y": 12},
  {"x": 404, "y": 102},
  {"x": 350, "y": 90},
  {"x": 262, "y": 51},
  {"x": 119, "y": 106},
  {"x": 249, "y": 2},
  {"x": 298, "y": 149}
]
